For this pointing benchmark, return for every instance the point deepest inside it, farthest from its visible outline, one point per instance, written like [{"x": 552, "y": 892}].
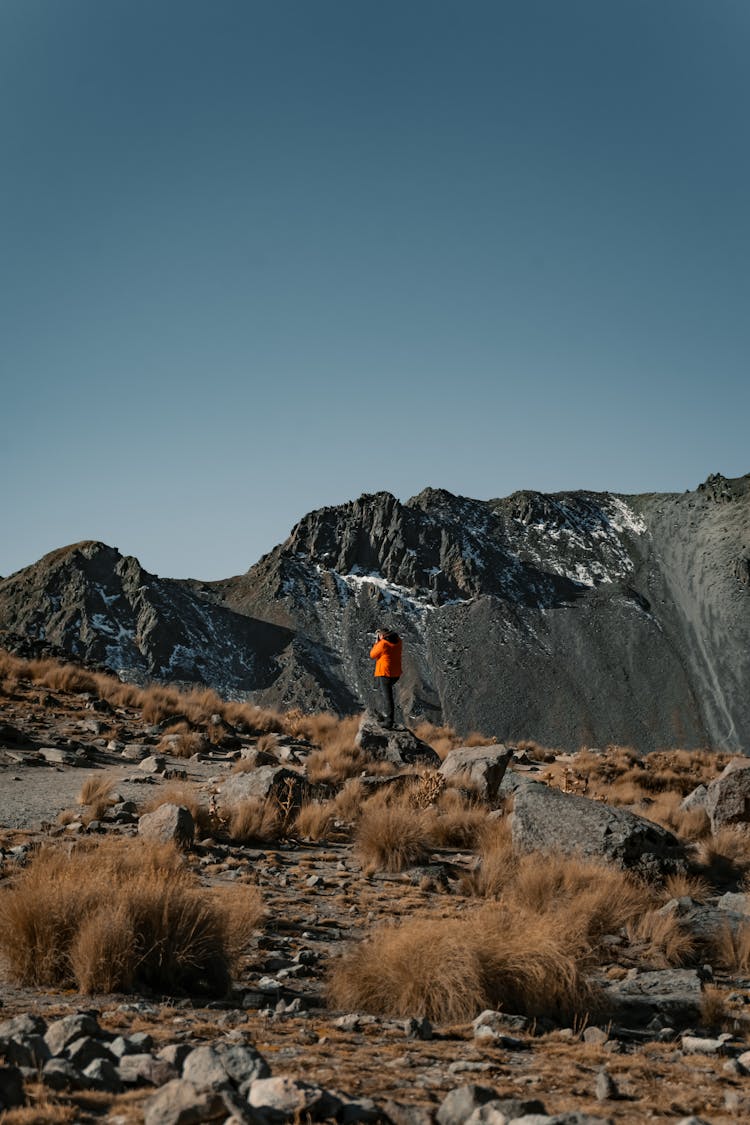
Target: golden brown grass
[
  {"x": 443, "y": 739},
  {"x": 184, "y": 745},
  {"x": 350, "y": 800},
  {"x": 254, "y": 821},
  {"x": 731, "y": 948},
  {"x": 725, "y": 856},
  {"x": 662, "y": 939},
  {"x": 455, "y": 821},
  {"x": 315, "y": 820},
  {"x": 497, "y": 862},
  {"x": 119, "y": 915},
  {"x": 336, "y": 763},
  {"x": 391, "y": 837},
  {"x": 449, "y": 970},
  {"x": 714, "y": 1008},
  {"x": 96, "y": 795},
  {"x": 690, "y": 886}
]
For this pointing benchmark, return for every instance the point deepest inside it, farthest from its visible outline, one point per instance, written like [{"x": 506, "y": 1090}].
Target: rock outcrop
[{"x": 574, "y": 618}]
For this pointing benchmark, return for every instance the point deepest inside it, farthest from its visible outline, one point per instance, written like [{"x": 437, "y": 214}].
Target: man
[{"x": 386, "y": 652}]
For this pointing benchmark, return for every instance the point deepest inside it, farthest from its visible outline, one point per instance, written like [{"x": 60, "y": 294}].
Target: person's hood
[{"x": 392, "y": 638}]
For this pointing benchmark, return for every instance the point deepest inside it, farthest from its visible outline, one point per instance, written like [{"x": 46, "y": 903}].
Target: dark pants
[{"x": 386, "y": 683}]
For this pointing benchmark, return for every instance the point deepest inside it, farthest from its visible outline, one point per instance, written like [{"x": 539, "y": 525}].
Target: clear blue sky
[{"x": 258, "y": 256}]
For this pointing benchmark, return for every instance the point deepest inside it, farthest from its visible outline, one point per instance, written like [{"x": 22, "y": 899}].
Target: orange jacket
[{"x": 388, "y": 656}]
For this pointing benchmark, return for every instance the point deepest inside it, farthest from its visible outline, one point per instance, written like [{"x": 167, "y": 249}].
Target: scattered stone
[
  {"x": 136, "y": 751},
  {"x": 595, "y": 1035},
  {"x": 460, "y": 1103},
  {"x": 59, "y": 1074},
  {"x": 85, "y": 1050},
  {"x": 223, "y": 1061},
  {"x": 175, "y": 1054},
  {"x": 57, "y": 757},
  {"x": 168, "y": 823},
  {"x": 418, "y": 1029},
  {"x": 65, "y": 1031},
  {"x": 155, "y": 763},
  {"x": 145, "y": 1070},
  {"x": 484, "y": 765},
  {"x": 695, "y": 800},
  {"x": 695, "y": 1045},
  {"x": 102, "y": 1074}
]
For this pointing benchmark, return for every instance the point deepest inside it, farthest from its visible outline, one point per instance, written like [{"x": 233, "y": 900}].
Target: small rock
[
  {"x": 85, "y": 1050},
  {"x": 59, "y": 1074},
  {"x": 460, "y": 1103},
  {"x": 418, "y": 1029},
  {"x": 223, "y": 1061},
  {"x": 102, "y": 1074},
  {"x": 284, "y": 1097},
  {"x": 695, "y": 1045},
  {"x": 65, "y": 1031},
  {"x": 595, "y": 1035},
  {"x": 605, "y": 1086},
  {"x": 155, "y": 763},
  {"x": 168, "y": 823}
]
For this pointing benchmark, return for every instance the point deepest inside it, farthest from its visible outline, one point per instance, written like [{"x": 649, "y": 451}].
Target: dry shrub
[
  {"x": 663, "y": 938},
  {"x": 725, "y": 856},
  {"x": 160, "y": 703},
  {"x": 96, "y": 794},
  {"x": 254, "y": 821},
  {"x": 731, "y": 948},
  {"x": 442, "y": 739},
  {"x": 391, "y": 837},
  {"x": 682, "y": 886},
  {"x": 62, "y": 677},
  {"x": 456, "y": 822},
  {"x": 335, "y": 764},
  {"x": 267, "y": 743},
  {"x": 449, "y": 970},
  {"x": 626, "y": 793},
  {"x": 497, "y": 863},
  {"x": 120, "y": 915},
  {"x": 349, "y": 802},
  {"x": 692, "y": 824},
  {"x": 315, "y": 820},
  {"x": 714, "y": 1009},
  {"x": 184, "y": 745},
  {"x": 535, "y": 751}
]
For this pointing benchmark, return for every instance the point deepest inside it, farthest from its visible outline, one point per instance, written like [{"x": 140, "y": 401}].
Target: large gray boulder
[
  {"x": 728, "y": 798},
  {"x": 285, "y": 1098},
  {"x": 671, "y": 995},
  {"x": 485, "y": 766},
  {"x": 263, "y": 783},
  {"x": 213, "y": 1064},
  {"x": 399, "y": 745},
  {"x": 547, "y": 820},
  {"x": 168, "y": 823},
  {"x": 181, "y": 1103}
]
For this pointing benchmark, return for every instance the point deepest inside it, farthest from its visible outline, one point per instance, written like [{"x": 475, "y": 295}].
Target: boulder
[
  {"x": 671, "y": 995},
  {"x": 154, "y": 763},
  {"x": 728, "y": 797},
  {"x": 145, "y": 1070},
  {"x": 181, "y": 1103},
  {"x": 704, "y": 922},
  {"x": 547, "y": 820},
  {"x": 459, "y": 1104},
  {"x": 485, "y": 766},
  {"x": 168, "y": 823},
  {"x": 265, "y": 782},
  {"x": 285, "y": 1098},
  {"x": 65, "y": 1031},
  {"x": 399, "y": 745},
  {"x": 217, "y": 1063}
]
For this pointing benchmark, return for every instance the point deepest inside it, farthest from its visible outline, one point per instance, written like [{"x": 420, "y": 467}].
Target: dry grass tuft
[
  {"x": 96, "y": 795},
  {"x": 316, "y": 820},
  {"x": 663, "y": 939},
  {"x": 725, "y": 856},
  {"x": 449, "y": 970},
  {"x": 731, "y": 948},
  {"x": 118, "y": 915},
  {"x": 497, "y": 863},
  {"x": 686, "y": 886},
  {"x": 391, "y": 837},
  {"x": 254, "y": 821},
  {"x": 456, "y": 822},
  {"x": 714, "y": 1009},
  {"x": 336, "y": 763}
]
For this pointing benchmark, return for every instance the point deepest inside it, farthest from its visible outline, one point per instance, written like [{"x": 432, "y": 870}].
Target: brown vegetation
[
  {"x": 120, "y": 915},
  {"x": 391, "y": 837},
  {"x": 254, "y": 821}
]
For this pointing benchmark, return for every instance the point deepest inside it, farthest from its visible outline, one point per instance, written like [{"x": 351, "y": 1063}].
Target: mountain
[{"x": 577, "y": 618}]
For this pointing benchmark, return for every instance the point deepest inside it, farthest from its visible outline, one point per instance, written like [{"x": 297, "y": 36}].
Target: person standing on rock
[{"x": 386, "y": 652}]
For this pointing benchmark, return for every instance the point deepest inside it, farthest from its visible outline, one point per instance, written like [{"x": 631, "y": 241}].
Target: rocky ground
[{"x": 274, "y": 1050}]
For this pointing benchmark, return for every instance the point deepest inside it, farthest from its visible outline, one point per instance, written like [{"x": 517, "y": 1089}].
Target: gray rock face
[
  {"x": 696, "y": 799},
  {"x": 635, "y": 608},
  {"x": 61, "y": 1033},
  {"x": 671, "y": 995},
  {"x": 167, "y": 824},
  {"x": 484, "y": 765},
  {"x": 547, "y": 820},
  {"x": 460, "y": 1103},
  {"x": 399, "y": 746},
  {"x": 728, "y": 797}
]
